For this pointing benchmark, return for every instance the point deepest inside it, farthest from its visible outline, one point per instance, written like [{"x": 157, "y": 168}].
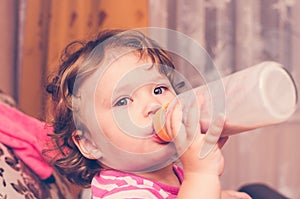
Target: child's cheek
[{"x": 131, "y": 126}]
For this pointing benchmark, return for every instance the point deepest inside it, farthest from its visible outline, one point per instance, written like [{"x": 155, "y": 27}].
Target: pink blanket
[{"x": 27, "y": 136}]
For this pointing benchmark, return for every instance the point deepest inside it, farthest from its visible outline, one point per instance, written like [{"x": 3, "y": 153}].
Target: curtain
[{"x": 238, "y": 34}]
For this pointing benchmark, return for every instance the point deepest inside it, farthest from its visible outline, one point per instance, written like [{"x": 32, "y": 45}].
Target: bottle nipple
[{"x": 158, "y": 124}]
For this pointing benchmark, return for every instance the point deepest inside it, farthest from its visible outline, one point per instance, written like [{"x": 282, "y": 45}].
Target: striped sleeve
[
  {"x": 125, "y": 187},
  {"x": 132, "y": 193}
]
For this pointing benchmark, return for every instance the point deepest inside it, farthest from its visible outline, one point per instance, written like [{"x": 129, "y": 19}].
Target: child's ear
[{"x": 87, "y": 149}]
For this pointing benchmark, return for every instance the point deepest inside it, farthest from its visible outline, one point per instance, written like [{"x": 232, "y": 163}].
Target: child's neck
[{"x": 165, "y": 175}]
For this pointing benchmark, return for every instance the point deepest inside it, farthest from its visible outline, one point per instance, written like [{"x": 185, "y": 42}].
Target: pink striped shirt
[{"x": 110, "y": 184}]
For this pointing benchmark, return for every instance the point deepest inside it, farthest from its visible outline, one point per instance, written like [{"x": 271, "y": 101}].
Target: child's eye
[
  {"x": 123, "y": 102},
  {"x": 160, "y": 90}
]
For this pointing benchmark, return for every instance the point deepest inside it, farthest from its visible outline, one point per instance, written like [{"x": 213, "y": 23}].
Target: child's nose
[{"x": 153, "y": 108}]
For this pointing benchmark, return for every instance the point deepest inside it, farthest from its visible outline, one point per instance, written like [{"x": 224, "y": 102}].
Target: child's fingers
[
  {"x": 183, "y": 121},
  {"x": 172, "y": 117},
  {"x": 176, "y": 127},
  {"x": 212, "y": 135},
  {"x": 190, "y": 119}
]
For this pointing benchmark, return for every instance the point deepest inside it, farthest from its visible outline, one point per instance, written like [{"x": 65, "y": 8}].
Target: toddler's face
[{"x": 127, "y": 95}]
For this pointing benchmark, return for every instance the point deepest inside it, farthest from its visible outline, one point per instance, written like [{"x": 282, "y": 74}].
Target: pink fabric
[
  {"x": 27, "y": 136},
  {"x": 119, "y": 185}
]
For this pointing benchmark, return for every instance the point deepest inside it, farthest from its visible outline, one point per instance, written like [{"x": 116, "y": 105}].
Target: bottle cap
[{"x": 158, "y": 124}]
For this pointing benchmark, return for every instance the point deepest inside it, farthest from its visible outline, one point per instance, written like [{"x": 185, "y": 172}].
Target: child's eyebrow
[{"x": 140, "y": 81}]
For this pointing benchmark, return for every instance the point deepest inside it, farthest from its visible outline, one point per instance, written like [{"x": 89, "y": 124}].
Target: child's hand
[
  {"x": 182, "y": 122},
  {"x": 201, "y": 174}
]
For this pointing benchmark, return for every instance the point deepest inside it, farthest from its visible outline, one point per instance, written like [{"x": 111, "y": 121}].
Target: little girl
[{"x": 104, "y": 96}]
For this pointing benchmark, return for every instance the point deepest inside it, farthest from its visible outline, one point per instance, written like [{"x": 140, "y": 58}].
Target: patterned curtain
[{"x": 238, "y": 34}]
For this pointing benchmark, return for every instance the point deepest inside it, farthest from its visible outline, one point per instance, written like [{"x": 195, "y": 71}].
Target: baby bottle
[{"x": 261, "y": 95}]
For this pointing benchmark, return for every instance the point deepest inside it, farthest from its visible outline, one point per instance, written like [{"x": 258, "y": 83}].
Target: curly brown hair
[{"x": 68, "y": 159}]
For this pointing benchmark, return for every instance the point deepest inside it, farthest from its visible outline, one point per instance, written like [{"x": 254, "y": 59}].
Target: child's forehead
[
  {"x": 121, "y": 78},
  {"x": 127, "y": 71},
  {"x": 138, "y": 77},
  {"x": 129, "y": 64},
  {"x": 131, "y": 69}
]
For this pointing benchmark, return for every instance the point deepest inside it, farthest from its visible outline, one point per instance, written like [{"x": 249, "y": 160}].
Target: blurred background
[{"x": 236, "y": 34}]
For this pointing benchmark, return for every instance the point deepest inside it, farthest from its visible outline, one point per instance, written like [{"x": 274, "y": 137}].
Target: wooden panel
[
  {"x": 32, "y": 61},
  {"x": 7, "y": 42},
  {"x": 124, "y": 14},
  {"x": 76, "y": 19},
  {"x": 51, "y": 25}
]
